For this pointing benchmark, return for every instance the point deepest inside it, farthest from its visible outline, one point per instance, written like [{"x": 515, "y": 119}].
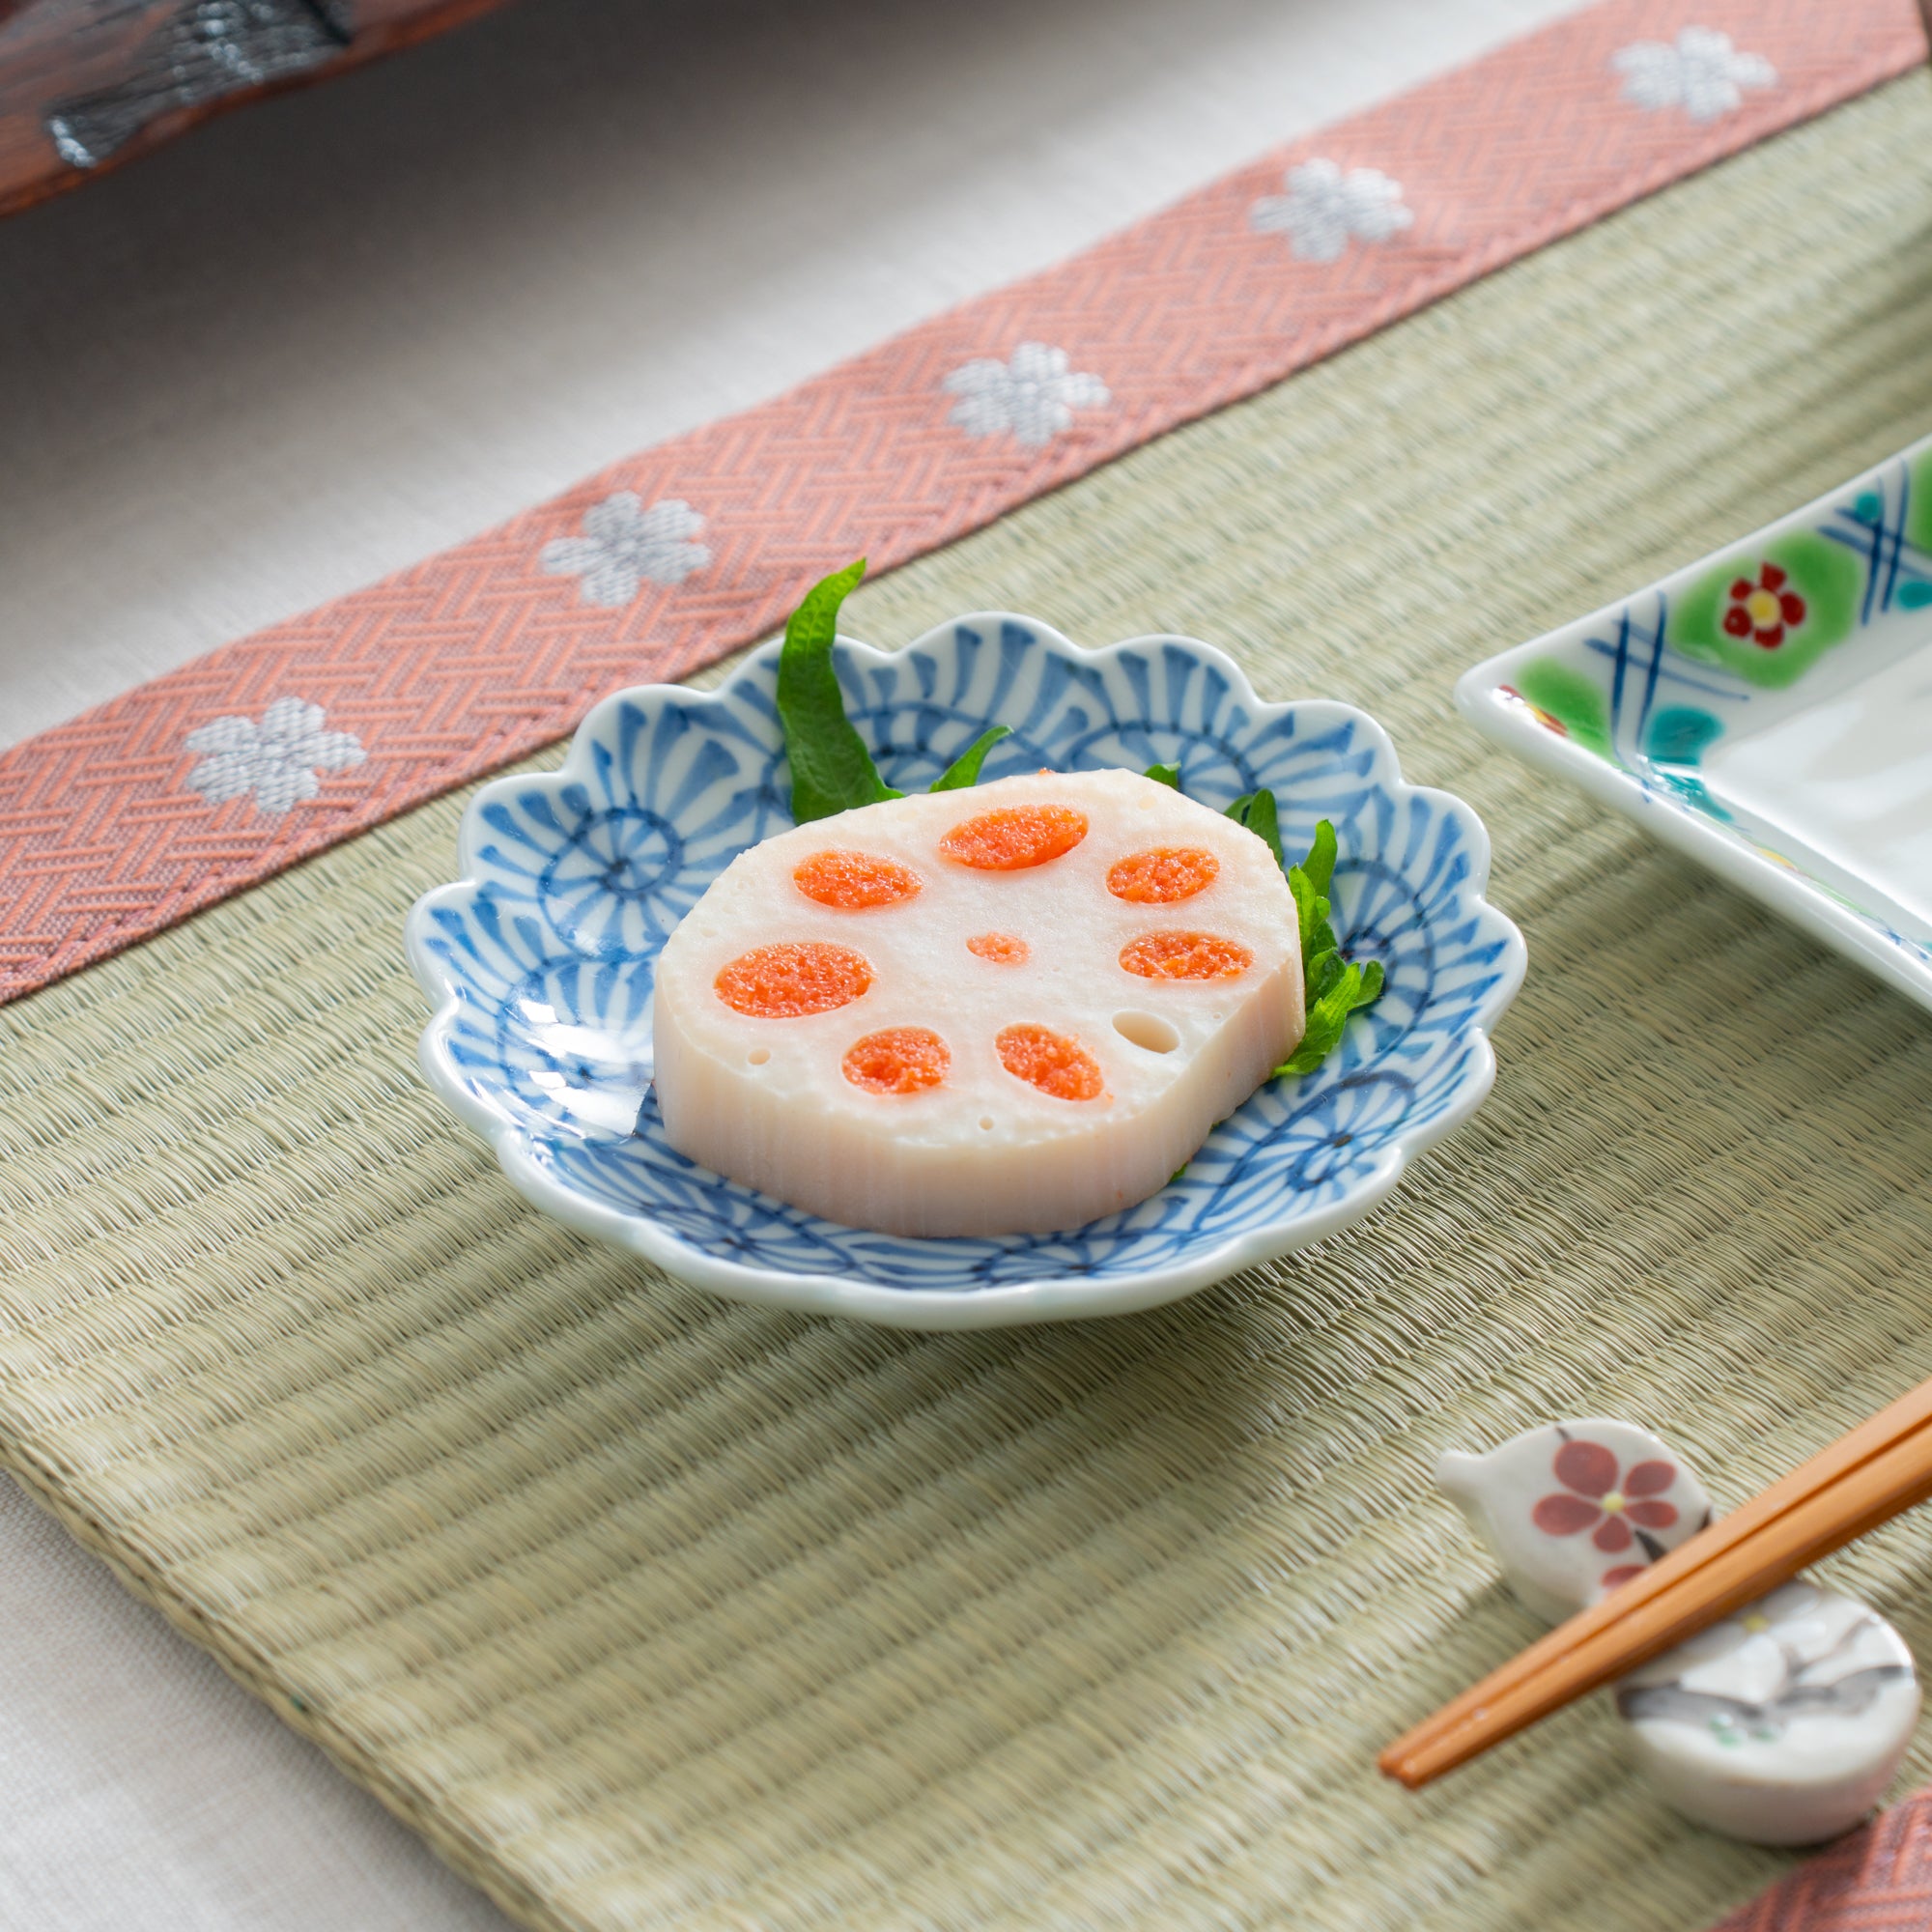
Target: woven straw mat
[{"x": 653, "y": 1610}]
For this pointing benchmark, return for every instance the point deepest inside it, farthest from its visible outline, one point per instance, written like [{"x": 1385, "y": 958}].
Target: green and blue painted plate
[{"x": 1766, "y": 711}]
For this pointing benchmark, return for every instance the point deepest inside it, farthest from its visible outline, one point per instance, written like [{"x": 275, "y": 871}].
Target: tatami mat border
[{"x": 1879, "y": 1879}]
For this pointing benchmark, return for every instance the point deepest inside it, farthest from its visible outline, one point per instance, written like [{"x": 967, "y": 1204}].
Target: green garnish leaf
[
  {"x": 1309, "y": 1054},
  {"x": 965, "y": 770},
  {"x": 1264, "y": 823},
  {"x": 1347, "y": 990},
  {"x": 1333, "y": 988},
  {"x": 1255, "y": 811},
  {"x": 1320, "y": 973},
  {"x": 831, "y": 769},
  {"x": 1312, "y": 909},
  {"x": 1319, "y": 864},
  {"x": 1165, "y": 774}
]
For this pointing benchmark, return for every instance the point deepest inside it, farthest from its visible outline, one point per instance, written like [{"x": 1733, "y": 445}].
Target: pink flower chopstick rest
[{"x": 1574, "y": 1508}]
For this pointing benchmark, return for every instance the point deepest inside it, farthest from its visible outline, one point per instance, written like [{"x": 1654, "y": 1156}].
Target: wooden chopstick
[{"x": 1866, "y": 1477}]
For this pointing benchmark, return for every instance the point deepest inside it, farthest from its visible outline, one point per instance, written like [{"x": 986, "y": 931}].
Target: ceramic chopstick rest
[
  {"x": 1573, "y": 1508},
  {"x": 1782, "y": 1725}
]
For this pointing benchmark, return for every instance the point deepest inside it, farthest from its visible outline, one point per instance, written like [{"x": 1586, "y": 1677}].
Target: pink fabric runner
[
  {"x": 216, "y": 775},
  {"x": 1879, "y": 1879}
]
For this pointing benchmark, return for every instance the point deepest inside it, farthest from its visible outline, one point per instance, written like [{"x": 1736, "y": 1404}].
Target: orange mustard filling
[
  {"x": 1015, "y": 837},
  {"x": 782, "y": 983},
  {"x": 1164, "y": 875},
  {"x": 1186, "y": 955},
  {"x": 1057, "y": 1066},
  {"x": 901, "y": 1060},
  {"x": 1002, "y": 949},
  {"x": 855, "y": 881}
]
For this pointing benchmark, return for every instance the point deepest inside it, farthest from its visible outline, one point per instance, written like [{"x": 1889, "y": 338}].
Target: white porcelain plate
[
  {"x": 1767, "y": 711},
  {"x": 539, "y": 964}
]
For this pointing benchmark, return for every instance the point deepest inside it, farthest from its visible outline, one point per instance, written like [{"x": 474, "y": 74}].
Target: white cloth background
[{"x": 337, "y": 330}]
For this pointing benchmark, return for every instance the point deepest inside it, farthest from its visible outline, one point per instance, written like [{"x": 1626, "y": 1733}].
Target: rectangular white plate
[{"x": 1767, "y": 711}]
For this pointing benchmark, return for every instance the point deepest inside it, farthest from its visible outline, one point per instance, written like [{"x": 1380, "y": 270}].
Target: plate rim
[{"x": 1064, "y": 1296}]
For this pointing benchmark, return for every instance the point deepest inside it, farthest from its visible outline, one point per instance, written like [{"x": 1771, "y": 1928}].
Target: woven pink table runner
[
  {"x": 1877, "y": 1880},
  {"x": 218, "y": 775}
]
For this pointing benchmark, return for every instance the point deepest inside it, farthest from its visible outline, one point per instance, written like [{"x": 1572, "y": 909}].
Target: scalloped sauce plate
[{"x": 538, "y": 967}]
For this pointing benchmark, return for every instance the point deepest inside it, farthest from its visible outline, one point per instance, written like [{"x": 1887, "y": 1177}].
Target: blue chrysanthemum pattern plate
[{"x": 539, "y": 966}]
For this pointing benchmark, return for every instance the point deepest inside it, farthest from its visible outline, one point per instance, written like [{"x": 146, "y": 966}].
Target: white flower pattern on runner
[
  {"x": 1325, "y": 208},
  {"x": 1033, "y": 395},
  {"x": 624, "y": 545},
  {"x": 276, "y": 759},
  {"x": 1702, "y": 72}
]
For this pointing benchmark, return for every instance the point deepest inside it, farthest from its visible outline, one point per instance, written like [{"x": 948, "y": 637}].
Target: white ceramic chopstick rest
[
  {"x": 1782, "y": 1725},
  {"x": 1572, "y": 1509}
]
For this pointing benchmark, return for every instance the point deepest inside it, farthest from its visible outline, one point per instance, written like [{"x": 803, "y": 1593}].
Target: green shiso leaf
[
  {"x": 1319, "y": 864},
  {"x": 1320, "y": 973},
  {"x": 1346, "y": 990},
  {"x": 965, "y": 770},
  {"x": 1332, "y": 987},
  {"x": 1255, "y": 811},
  {"x": 1317, "y": 936},
  {"x": 1165, "y": 774},
  {"x": 831, "y": 769}
]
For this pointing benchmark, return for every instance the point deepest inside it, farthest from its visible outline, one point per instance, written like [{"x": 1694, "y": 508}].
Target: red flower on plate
[
  {"x": 1593, "y": 1497},
  {"x": 1765, "y": 609}
]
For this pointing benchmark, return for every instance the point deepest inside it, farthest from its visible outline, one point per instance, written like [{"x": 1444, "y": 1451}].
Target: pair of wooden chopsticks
[{"x": 1864, "y": 1479}]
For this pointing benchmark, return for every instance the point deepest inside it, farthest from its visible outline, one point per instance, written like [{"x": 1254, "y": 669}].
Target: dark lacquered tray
[{"x": 87, "y": 84}]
